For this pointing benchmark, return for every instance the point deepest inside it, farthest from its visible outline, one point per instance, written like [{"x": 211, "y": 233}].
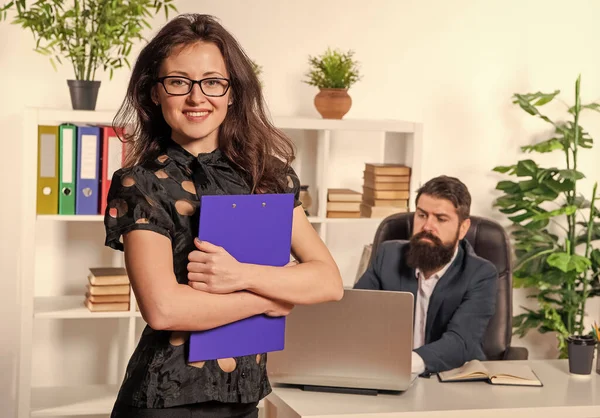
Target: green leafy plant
[
  {"x": 333, "y": 70},
  {"x": 554, "y": 226},
  {"x": 256, "y": 68},
  {"x": 91, "y": 34}
]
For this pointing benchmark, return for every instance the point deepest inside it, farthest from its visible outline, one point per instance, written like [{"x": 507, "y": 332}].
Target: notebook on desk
[
  {"x": 495, "y": 372},
  {"x": 255, "y": 229}
]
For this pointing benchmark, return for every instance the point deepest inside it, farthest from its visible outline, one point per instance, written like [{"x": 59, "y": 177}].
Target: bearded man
[{"x": 454, "y": 289}]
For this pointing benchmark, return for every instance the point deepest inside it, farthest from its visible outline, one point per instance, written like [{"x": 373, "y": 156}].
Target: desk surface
[{"x": 563, "y": 395}]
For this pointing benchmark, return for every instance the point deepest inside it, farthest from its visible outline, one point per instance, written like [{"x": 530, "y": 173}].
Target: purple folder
[{"x": 255, "y": 229}]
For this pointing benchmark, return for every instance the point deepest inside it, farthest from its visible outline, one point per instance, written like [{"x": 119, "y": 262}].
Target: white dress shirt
[{"x": 424, "y": 291}]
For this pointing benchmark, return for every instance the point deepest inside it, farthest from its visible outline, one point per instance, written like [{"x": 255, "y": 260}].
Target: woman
[{"x": 199, "y": 128}]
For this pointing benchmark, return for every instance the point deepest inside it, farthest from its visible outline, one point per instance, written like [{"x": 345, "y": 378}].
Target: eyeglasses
[{"x": 180, "y": 86}]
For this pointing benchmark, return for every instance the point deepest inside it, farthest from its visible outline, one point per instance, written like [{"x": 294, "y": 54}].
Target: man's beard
[{"x": 429, "y": 256}]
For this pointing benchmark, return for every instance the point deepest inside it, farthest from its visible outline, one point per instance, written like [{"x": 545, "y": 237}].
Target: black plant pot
[
  {"x": 83, "y": 94},
  {"x": 581, "y": 353}
]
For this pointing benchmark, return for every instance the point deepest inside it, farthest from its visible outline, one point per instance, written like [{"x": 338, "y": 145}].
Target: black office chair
[{"x": 489, "y": 241}]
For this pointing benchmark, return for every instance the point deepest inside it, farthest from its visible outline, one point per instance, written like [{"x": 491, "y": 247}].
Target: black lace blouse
[{"x": 163, "y": 196}]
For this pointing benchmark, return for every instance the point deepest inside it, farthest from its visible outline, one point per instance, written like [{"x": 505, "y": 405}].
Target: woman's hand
[
  {"x": 212, "y": 269},
  {"x": 279, "y": 308}
]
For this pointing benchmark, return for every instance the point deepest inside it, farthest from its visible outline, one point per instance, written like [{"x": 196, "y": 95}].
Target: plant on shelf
[
  {"x": 256, "y": 68},
  {"x": 92, "y": 34},
  {"x": 554, "y": 226},
  {"x": 333, "y": 72}
]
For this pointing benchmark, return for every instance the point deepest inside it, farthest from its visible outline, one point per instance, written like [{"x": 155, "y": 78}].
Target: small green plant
[
  {"x": 333, "y": 70},
  {"x": 256, "y": 68},
  {"x": 555, "y": 228},
  {"x": 257, "y": 71},
  {"x": 91, "y": 34}
]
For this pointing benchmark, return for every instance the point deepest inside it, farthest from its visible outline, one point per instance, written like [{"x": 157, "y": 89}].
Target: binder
[
  {"x": 67, "y": 169},
  {"x": 255, "y": 229},
  {"x": 112, "y": 156},
  {"x": 88, "y": 160},
  {"x": 47, "y": 175}
]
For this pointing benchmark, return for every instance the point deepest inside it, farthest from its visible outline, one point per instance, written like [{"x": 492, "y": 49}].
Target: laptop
[{"x": 360, "y": 344}]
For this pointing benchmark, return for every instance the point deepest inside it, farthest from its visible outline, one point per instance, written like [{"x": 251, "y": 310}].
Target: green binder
[{"x": 68, "y": 165}]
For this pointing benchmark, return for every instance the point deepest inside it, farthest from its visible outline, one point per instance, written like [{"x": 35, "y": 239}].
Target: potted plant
[
  {"x": 333, "y": 72},
  {"x": 92, "y": 34},
  {"x": 554, "y": 226},
  {"x": 256, "y": 68}
]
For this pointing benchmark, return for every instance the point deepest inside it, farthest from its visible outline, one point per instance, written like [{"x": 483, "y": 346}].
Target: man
[{"x": 454, "y": 289}]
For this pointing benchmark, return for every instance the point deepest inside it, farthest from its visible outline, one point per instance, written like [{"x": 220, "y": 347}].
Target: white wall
[{"x": 452, "y": 65}]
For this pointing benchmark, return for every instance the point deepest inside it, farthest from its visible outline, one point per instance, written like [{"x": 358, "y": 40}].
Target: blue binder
[
  {"x": 255, "y": 229},
  {"x": 88, "y": 170}
]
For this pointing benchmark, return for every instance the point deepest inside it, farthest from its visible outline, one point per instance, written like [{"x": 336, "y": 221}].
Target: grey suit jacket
[{"x": 460, "y": 306}]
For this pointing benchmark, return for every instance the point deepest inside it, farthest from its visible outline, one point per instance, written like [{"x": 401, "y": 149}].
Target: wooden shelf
[
  {"x": 105, "y": 117},
  {"x": 76, "y": 400},
  {"x": 72, "y": 307},
  {"x": 394, "y": 141},
  {"x": 100, "y": 218},
  {"x": 58, "y": 116},
  {"x": 373, "y": 125},
  {"x": 71, "y": 218},
  {"x": 351, "y": 220}
]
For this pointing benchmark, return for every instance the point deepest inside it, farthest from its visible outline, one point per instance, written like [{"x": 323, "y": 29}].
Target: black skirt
[{"x": 211, "y": 409}]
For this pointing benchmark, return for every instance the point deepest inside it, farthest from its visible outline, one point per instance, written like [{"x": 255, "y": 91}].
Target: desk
[{"x": 563, "y": 396}]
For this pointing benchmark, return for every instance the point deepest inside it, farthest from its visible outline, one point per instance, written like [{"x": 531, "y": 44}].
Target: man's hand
[
  {"x": 212, "y": 269},
  {"x": 417, "y": 364}
]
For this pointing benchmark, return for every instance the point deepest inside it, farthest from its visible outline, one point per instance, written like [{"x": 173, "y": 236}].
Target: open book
[{"x": 496, "y": 373}]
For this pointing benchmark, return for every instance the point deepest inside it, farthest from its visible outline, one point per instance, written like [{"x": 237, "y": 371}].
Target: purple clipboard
[{"x": 255, "y": 229}]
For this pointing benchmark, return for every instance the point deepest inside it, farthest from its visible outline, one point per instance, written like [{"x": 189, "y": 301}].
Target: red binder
[{"x": 112, "y": 156}]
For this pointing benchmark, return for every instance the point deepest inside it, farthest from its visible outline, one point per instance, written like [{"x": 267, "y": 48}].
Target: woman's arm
[
  {"x": 315, "y": 279},
  {"x": 168, "y": 305}
]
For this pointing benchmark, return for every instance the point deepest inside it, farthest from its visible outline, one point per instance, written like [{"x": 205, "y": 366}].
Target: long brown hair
[{"x": 246, "y": 136}]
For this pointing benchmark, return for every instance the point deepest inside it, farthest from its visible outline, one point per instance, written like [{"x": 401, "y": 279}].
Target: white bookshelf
[
  {"x": 65, "y": 307},
  {"x": 55, "y": 250},
  {"x": 100, "y": 218},
  {"x": 73, "y": 401}
]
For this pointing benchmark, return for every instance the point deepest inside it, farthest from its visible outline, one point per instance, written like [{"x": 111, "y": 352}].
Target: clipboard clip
[{"x": 264, "y": 204}]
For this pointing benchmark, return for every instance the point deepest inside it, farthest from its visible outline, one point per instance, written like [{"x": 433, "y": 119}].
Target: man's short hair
[{"x": 452, "y": 189}]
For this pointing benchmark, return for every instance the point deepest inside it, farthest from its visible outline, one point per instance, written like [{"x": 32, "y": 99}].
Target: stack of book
[
  {"x": 108, "y": 290},
  {"x": 385, "y": 190},
  {"x": 343, "y": 203}
]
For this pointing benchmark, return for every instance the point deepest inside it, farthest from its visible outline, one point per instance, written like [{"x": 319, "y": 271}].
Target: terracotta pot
[{"x": 333, "y": 103}]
